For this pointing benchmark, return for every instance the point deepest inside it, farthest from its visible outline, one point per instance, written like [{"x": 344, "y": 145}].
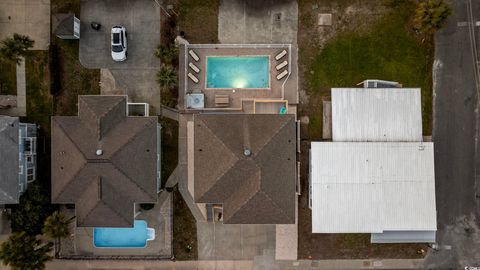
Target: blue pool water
[
  {"x": 238, "y": 72},
  {"x": 135, "y": 237}
]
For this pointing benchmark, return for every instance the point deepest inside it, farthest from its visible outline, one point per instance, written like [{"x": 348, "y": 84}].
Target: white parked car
[{"x": 119, "y": 43}]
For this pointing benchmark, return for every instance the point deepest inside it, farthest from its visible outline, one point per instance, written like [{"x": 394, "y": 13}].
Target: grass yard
[
  {"x": 39, "y": 100},
  {"x": 184, "y": 230},
  {"x": 197, "y": 18},
  {"x": 69, "y": 77},
  {"x": 367, "y": 40},
  {"x": 8, "y": 78}
]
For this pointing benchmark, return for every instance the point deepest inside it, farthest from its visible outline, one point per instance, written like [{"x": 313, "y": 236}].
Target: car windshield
[{"x": 117, "y": 48}]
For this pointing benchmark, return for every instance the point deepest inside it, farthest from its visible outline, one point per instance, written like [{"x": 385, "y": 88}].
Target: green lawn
[
  {"x": 8, "y": 78},
  {"x": 39, "y": 100},
  {"x": 387, "y": 52}
]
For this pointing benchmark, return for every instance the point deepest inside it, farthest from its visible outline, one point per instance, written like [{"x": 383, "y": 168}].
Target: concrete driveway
[
  {"x": 141, "y": 18},
  {"x": 26, "y": 17},
  {"x": 218, "y": 241},
  {"x": 253, "y": 21}
]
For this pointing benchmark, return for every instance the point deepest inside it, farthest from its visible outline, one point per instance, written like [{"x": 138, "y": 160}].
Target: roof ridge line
[
  {"x": 250, "y": 198},
  {"x": 126, "y": 176},
  {"x": 230, "y": 150},
  {"x": 273, "y": 135},
  {"x": 278, "y": 207}
]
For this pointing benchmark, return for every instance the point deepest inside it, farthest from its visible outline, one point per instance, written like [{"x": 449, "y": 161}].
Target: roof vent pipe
[
  {"x": 247, "y": 152},
  {"x": 99, "y": 152}
]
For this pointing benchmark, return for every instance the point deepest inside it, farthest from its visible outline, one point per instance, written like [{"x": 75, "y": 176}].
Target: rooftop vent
[
  {"x": 99, "y": 152},
  {"x": 247, "y": 152}
]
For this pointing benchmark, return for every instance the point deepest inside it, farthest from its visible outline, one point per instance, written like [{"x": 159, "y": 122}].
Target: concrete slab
[
  {"x": 218, "y": 241},
  {"x": 252, "y": 21},
  {"x": 141, "y": 18},
  {"x": 26, "y": 17}
]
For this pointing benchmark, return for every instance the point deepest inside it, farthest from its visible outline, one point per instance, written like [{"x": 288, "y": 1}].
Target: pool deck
[
  {"x": 240, "y": 100},
  {"x": 80, "y": 246}
]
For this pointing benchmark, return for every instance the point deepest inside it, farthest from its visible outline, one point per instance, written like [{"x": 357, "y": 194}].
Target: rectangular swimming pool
[
  {"x": 135, "y": 237},
  {"x": 238, "y": 72}
]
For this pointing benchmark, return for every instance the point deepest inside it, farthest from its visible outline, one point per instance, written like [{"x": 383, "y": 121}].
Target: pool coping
[{"x": 238, "y": 88}]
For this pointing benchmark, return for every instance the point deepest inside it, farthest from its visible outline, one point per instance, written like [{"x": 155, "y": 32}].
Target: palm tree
[
  {"x": 166, "y": 53},
  {"x": 167, "y": 77},
  {"x": 24, "y": 252},
  {"x": 56, "y": 227},
  {"x": 431, "y": 15},
  {"x": 13, "y": 49}
]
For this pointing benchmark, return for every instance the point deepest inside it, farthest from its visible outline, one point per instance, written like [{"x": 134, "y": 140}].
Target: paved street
[{"x": 454, "y": 134}]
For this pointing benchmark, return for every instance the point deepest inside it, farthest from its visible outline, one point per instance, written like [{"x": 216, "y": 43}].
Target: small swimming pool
[
  {"x": 238, "y": 72},
  {"x": 135, "y": 237}
]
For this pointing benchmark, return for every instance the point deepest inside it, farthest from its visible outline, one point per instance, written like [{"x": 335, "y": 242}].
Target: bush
[{"x": 431, "y": 15}]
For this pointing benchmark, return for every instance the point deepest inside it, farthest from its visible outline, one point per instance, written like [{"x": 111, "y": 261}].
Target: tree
[
  {"x": 167, "y": 77},
  {"x": 34, "y": 207},
  {"x": 56, "y": 227},
  {"x": 166, "y": 53},
  {"x": 431, "y": 15},
  {"x": 25, "y": 252},
  {"x": 16, "y": 47}
]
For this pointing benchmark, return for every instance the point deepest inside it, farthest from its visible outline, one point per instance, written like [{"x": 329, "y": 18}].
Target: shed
[{"x": 66, "y": 26}]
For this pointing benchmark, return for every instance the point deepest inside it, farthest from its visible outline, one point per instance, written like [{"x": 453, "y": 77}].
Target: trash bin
[{"x": 95, "y": 26}]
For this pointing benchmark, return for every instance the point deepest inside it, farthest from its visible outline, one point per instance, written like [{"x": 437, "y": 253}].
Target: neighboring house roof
[
  {"x": 9, "y": 166},
  {"x": 255, "y": 189},
  {"x": 376, "y": 114},
  {"x": 63, "y": 24},
  {"x": 372, "y": 187},
  {"x": 104, "y": 161}
]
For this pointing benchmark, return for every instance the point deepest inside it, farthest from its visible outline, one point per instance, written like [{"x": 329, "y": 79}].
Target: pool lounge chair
[
  {"x": 283, "y": 74},
  {"x": 281, "y": 65},
  {"x": 192, "y": 77},
  {"x": 281, "y": 55},
  {"x": 194, "y": 55},
  {"x": 193, "y": 67}
]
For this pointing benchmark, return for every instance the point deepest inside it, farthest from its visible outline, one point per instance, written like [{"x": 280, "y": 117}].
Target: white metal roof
[
  {"x": 376, "y": 114},
  {"x": 372, "y": 187}
]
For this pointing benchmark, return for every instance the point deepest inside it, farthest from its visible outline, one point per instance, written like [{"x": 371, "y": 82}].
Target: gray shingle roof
[
  {"x": 255, "y": 189},
  {"x": 9, "y": 151},
  {"x": 104, "y": 187}
]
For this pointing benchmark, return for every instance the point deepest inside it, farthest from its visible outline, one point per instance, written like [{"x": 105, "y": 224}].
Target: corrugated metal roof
[
  {"x": 372, "y": 187},
  {"x": 378, "y": 114}
]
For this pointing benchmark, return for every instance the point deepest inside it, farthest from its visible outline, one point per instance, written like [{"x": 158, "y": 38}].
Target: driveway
[
  {"x": 454, "y": 133},
  {"x": 26, "y": 17},
  {"x": 135, "y": 76},
  {"x": 253, "y": 21},
  {"x": 218, "y": 241},
  {"x": 141, "y": 18}
]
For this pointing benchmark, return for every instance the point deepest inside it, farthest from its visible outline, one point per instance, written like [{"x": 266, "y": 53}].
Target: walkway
[{"x": 230, "y": 265}]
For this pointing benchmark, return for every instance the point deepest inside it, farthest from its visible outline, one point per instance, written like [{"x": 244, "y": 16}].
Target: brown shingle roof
[
  {"x": 255, "y": 189},
  {"x": 104, "y": 187}
]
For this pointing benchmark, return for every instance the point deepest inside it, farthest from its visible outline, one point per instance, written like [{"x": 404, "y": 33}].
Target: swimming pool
[
  {"x": 238, "y": 72},
  {"x": 135, "y": 237}
]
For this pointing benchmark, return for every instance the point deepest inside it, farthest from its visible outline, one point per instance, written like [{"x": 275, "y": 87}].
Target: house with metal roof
[
  {"x": 18, "y": 149},
  {"x": 245, "y": 166},
  {"x": 377, "y": 175},
  {"x": 105, "y": 161}
]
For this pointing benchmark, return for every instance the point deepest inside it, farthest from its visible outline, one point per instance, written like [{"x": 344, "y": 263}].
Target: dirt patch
[
  {"x": 197, "y": 19},
  {"x": 184, "y": 230}
]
